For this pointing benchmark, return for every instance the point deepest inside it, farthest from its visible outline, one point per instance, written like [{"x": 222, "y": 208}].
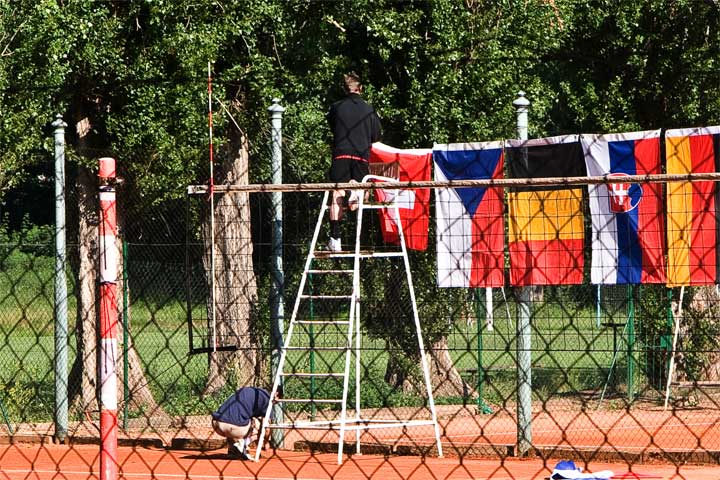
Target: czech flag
[
  {"x": 692, "y": 213},
  {"x": 413, "y": 203},
  {"x": 545, "y": 224},
  {"x": 469, "y": 220},
  {"x": 627, "y": 220}
]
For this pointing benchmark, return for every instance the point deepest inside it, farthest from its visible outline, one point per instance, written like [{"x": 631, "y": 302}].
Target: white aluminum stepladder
[{"x": 351, "y": 340}]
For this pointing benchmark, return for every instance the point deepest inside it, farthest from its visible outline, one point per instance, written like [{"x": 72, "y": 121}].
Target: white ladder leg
[{"x": 288, "y": 336}]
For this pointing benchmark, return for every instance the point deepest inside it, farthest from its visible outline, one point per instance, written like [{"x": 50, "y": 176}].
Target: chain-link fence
[{"x": 600, "y": 354}]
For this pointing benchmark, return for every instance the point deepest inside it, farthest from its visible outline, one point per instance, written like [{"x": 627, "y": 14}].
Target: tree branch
[{"x": 6, "y": 50}]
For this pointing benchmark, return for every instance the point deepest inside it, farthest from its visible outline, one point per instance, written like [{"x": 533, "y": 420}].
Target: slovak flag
[
  {"x": 628, "y": 226},
  {"x": 469, "y": 219},
  {"x": 413, "y": 203}
]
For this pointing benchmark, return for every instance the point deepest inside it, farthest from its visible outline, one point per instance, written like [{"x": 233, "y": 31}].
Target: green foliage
[
  {"x": 436, "y": 71},
  {"x": 27, "y": 397},
  {"x": 699, "y": 341}
]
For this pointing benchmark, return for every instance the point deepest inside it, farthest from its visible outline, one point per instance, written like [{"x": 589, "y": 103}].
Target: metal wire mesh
[{"x": 600, "y": 354}]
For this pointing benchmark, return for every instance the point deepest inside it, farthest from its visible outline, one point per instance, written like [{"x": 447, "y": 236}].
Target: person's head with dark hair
[{"x": 351, "y": 83}]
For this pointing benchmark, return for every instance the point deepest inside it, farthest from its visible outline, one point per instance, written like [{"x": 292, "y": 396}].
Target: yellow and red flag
[{"x": 692, "y": 207}]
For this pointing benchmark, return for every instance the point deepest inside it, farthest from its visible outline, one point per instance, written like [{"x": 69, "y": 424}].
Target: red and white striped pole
[{"x": 108, "y": 322}]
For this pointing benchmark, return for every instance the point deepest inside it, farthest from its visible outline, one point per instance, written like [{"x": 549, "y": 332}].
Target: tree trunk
[
  {"x": 83, "y": 374},
  {"x": 235, "y": 288},
  {"x": 83, "y": 378},
  {"x": 141, "y": 398},
  {"x": 444, "y": 376},
  {"x": 403, "y": 371},
  {"x": 699, "y": 324}
]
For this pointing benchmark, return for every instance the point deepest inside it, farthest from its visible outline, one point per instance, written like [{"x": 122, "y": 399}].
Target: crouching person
[{"x": 239, "y": 419}]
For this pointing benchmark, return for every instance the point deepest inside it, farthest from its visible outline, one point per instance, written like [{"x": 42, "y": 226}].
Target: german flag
[
  {"x": 692, "y": 207},
  {"x": 545, "y": 224}
]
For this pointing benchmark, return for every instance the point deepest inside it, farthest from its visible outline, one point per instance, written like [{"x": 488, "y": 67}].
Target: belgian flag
[{"x": 545, "y": 224}]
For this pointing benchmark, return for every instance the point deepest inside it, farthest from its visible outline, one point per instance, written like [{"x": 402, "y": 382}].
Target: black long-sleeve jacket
[{"x": 355, "y": 127}]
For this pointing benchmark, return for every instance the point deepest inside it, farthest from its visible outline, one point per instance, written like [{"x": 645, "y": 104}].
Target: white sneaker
[{"x": 334, "y": 245}]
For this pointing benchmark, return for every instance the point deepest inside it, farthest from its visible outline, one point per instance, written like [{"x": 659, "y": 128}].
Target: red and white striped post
[{"x": 108, "y": 322}]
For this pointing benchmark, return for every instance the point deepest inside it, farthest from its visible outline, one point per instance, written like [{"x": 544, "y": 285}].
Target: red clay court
[
  {"x": 672, "y": 444},
  {"x": 46, "y": 462}
]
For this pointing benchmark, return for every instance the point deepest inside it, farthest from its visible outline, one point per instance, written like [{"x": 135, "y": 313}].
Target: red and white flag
[{"x": 414, "y": 204}]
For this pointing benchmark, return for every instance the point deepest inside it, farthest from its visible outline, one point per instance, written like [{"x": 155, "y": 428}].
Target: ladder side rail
[
  {"x": 357, "y": 372},
  {"x": 416, "y": 318},
  {"x": 353, "y": 317},
  {"x": 356, "y": 288},
  {"x": 288, "y": 336}
]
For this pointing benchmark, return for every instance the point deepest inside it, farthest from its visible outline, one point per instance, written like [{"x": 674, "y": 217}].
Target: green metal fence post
[
  {"x": 631, "y": 344},
  {"x": 481, "y": 405},
  {"x": 311, "y": 333},
  {"x": 666, "y": 340},
  {"x": 125, "y": 327},
  {"x": 61, "y": 297},
  {"x": 479, "y": 364},
  {"x": 277, "y": 297},
  {"x": 524, "y": 331}
]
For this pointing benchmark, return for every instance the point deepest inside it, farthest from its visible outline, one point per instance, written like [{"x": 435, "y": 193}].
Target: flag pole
[{"x": 523, "y": 329}]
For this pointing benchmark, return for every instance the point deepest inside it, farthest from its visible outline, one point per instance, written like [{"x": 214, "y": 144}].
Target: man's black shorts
[{"x": 343, "y": 170}]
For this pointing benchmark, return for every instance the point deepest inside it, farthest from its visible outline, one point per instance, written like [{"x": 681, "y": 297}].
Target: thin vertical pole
[
  {"x": 631, "y": 345},
  {"x": 277, "y": 295},
  {"x": 523, "y": 330},
  {"x": 311, "y": 346},
  {"x": 480, "y": 372},
  {"x": 211, "y": 193},
  {"x": 125, "y": 327},
  {"x": 61, "y": 309},
  {"x": 108, "y": 322}
]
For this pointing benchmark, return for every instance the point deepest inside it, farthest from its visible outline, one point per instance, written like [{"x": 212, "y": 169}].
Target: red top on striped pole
[
  {"x": 108, "y": 321},
  {"x": 107, "y": 168}
]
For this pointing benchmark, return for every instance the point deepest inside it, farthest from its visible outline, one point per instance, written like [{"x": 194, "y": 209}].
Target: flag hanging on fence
[
  {"x": 627, "y": 221},
  {"x": 414, "y": 203},
  {"x": 692, "y": 213},
  {"x": 545, "y": 224},
  {"x": 469, "y": 220}
]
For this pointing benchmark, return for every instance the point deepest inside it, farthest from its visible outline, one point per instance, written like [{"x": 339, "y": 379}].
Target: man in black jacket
[{"x": 355, "y": 126}]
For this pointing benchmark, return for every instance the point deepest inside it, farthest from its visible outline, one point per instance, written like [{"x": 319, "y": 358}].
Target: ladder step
[
  {"x": 377, "y": 205},
  {"x": 380, "y": 254},
  {"x": 329, "y": 254},
  {"x": 313, "y": 375},
  {"x": 310, "y": 400},
  {"x": 309, "y": 349},
  {"x": 329, "y": 271},
  {"x": 323, "y": 322},
  {"x": 363, "y": 254},
  {"x": 326, "y": 297}
]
